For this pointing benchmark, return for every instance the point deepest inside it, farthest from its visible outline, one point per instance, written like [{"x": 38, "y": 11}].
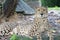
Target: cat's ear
[{"x": 37, "y": 8}]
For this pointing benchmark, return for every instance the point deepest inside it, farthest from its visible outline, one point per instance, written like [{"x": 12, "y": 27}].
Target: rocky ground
[{"x": 54, "y": 20}]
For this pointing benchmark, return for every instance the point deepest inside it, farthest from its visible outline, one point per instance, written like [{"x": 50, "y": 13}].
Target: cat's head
[{"x": 41, "y": 11}]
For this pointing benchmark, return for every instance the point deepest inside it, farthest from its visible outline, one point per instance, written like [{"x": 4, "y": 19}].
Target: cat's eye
[
  {"x": 43, "y": 9},
  {"x": 38, "y": 9}
]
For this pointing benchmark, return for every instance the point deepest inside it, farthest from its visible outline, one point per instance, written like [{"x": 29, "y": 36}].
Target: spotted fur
[
  {"x": 40, "y": 23},
  {"x": 30, "y": 29},
  {"x": 7, "y": 27}
]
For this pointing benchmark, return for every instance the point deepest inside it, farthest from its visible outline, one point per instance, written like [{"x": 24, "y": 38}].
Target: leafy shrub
[
  {"x": 50, "y": 3},
  {"x": 16, "y": 37}
]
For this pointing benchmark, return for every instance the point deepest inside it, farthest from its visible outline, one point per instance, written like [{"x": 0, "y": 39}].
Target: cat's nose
[{"x": 41, "y": 14}]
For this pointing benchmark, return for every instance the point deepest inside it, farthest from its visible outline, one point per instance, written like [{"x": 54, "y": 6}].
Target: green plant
[
  {"x": 50, "y": 3},
  {"x": 15, "y": 37}
]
